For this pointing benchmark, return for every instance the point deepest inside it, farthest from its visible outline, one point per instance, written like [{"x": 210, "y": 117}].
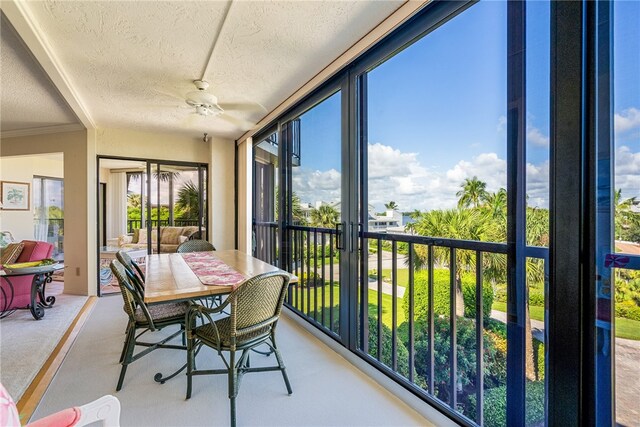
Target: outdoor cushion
[
  {"x": 66, "y": 418},
  {"x": 163, "y": 311},
  {"x": 224, "y": 327},
  {"x": 11, "y": 253}
]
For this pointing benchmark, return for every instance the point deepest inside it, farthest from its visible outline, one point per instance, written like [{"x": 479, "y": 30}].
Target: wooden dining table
[{"x": 169, "y": 277}]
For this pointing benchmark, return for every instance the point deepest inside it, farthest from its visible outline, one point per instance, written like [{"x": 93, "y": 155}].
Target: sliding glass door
[
  {"x": 148, "y": 207},
  {"x": 317, "y": 213}
]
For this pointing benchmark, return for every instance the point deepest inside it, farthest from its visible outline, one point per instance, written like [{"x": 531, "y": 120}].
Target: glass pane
[
  {"x": 626, "y": 108},
  {"x": 265, "y": 209},
  {"x": 436, "y": 167},
  {"x": 315, "y": 204},
  {"x": 48, "y": 204},
  {"x": 537, "y": 188}
]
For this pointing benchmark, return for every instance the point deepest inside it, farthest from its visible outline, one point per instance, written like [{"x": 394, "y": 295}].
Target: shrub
[
  {"x": 628, "y": 310},
  {"x": 495, "y": 405},
  {"x": 387, "y": 350},
  {"x": 538, "y": 359},
  {"x": 441, "y": 287},
  {"x": 495, "y": 359},
  {"x": 536, "y": 297}
]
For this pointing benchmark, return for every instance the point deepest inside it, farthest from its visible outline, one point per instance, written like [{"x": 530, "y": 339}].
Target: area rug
[{"x": 26, "y": 344}]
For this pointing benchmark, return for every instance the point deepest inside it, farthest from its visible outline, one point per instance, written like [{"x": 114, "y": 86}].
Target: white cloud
[
  {"x": 627, "y": 170},
  {"x": 626, "y": 120},
  {"x": 398, "y": 176},
  {"x": 502, "y": 124},
  {"x": 536, "y": 137}
]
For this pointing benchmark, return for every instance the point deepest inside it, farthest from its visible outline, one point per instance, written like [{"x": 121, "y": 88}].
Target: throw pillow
[
  {"x": 142, "y": 235},
  {"x": 11, "y": 253},
  {"x": 170, "y": 235}
]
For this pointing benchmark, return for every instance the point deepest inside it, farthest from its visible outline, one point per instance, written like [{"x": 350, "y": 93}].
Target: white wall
[{"x": 22, "y": 169}]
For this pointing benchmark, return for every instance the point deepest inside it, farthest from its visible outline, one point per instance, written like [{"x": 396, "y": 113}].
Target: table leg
[
  {"x": 38, "y": 299},
  {"x": 8, "y": 299}
]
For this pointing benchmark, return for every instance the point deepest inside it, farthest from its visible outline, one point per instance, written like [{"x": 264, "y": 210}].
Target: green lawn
[
  {"x": 403, "y": 275},
  {"x": 387, "y": 314},
  {"x": 625, "y": 328}
]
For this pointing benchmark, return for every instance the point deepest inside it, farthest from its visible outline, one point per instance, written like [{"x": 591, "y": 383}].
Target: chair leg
[
  {"x": 190, "y": 363},
  {"x": 281, "y": 364},
  {"x": 233, "y": 386},
  {"x": 129, "y": 346},
  {"x": 124, "y": 346}
]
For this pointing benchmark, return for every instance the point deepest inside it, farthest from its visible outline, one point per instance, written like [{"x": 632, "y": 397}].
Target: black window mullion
[{"x": 516, "y": 212}]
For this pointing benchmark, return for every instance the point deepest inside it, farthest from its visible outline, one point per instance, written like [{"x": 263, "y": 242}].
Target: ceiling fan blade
[
  {"x": 242, "y": 106},
  {"x": 170, "y": 94},
  {"x": 242, "y": 124}
]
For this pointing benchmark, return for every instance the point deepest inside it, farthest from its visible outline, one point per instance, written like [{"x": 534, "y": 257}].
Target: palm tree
[
  {"x": 325, "y": 216},
  {"x": 391, "y": 206},
  {"x": 496, "y": 204},
  {"x": 188, "y": 203},
  {"x": 296, "y": 208},
  {"x": 462, "y": 224},
  {"x": 627, "y": 222},
  {"x": 473, "y": 191}
]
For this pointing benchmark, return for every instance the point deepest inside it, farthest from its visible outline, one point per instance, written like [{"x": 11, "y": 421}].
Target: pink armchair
[{"x": 32, "y": 251}]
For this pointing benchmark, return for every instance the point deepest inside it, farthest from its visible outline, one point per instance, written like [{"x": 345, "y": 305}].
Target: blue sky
[{"x": 437, "y": 113}]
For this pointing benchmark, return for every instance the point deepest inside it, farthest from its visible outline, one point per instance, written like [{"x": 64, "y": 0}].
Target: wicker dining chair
[
  {"x": 134, "y": 270},
  {"x": 195, "y": 246},
  {"x": 255, "y": 309},
  {"x": 146, "y": 317}
]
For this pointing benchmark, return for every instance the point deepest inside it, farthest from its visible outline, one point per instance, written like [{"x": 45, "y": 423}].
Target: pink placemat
[{"x": 211, "y": 270}]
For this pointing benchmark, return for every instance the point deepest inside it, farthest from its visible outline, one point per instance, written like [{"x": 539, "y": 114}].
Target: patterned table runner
[{"x": 211, "y": 270}]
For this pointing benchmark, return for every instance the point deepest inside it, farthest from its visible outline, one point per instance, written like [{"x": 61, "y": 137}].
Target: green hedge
[
  {"x": 628, "y": 310},
  {"x": 441, "y": 295},
  {"x": 495, "y": 405},
  {"x": 387, "y": 353}
]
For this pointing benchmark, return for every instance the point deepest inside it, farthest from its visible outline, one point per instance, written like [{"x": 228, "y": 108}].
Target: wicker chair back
[
  {"x": 257, "y": 302},
  {"x": 130, "y": 294},
  {"x": 195, "y": 246},
  {"x": 134, "y": 271}
]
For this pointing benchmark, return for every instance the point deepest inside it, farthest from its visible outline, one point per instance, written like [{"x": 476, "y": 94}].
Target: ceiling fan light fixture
[{"x": 200, "y": 97}]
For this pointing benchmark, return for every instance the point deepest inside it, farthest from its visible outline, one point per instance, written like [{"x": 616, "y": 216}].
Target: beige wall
[
  {"x": 222, "y": 200},
  {"x": 148, "y": 145},
  {"x": 23, "y": 169},
  {"x": 79, "y": 172}
]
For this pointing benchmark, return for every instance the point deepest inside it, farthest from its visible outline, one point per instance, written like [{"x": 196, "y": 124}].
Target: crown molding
[{"x": 73, "y": 127}]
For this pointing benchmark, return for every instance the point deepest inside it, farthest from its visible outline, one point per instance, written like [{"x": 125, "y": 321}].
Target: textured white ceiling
[
  {"x": 29, "y": 99},
  {"x": 132, "y": 62}
]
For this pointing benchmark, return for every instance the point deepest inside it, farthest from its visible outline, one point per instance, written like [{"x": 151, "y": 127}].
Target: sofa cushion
[
  {"x": 142, "y": 236},
  {"x": 11, "y": 253},
  {"x": 170, "y": 235},
  {"x": 35, "y": 251}
]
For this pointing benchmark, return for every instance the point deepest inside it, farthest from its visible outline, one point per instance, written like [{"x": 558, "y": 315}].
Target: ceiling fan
[{"x": 205, "y": 103}]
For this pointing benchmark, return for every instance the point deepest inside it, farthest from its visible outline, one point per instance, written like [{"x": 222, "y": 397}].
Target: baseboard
[{"x": 32, "y": 396}]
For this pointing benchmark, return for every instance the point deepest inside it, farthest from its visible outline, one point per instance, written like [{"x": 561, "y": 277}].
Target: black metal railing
[
  {"x": 423, "y": 256},
  {"x": 314, "y": 259},
  {"x": 435, "y": 347},
  {"x": 265, "y": 241},
  {"x": 134, "y": 224}
]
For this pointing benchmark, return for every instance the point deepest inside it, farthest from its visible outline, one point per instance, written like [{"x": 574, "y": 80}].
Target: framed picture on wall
[{"x": 15, "y": 196}]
